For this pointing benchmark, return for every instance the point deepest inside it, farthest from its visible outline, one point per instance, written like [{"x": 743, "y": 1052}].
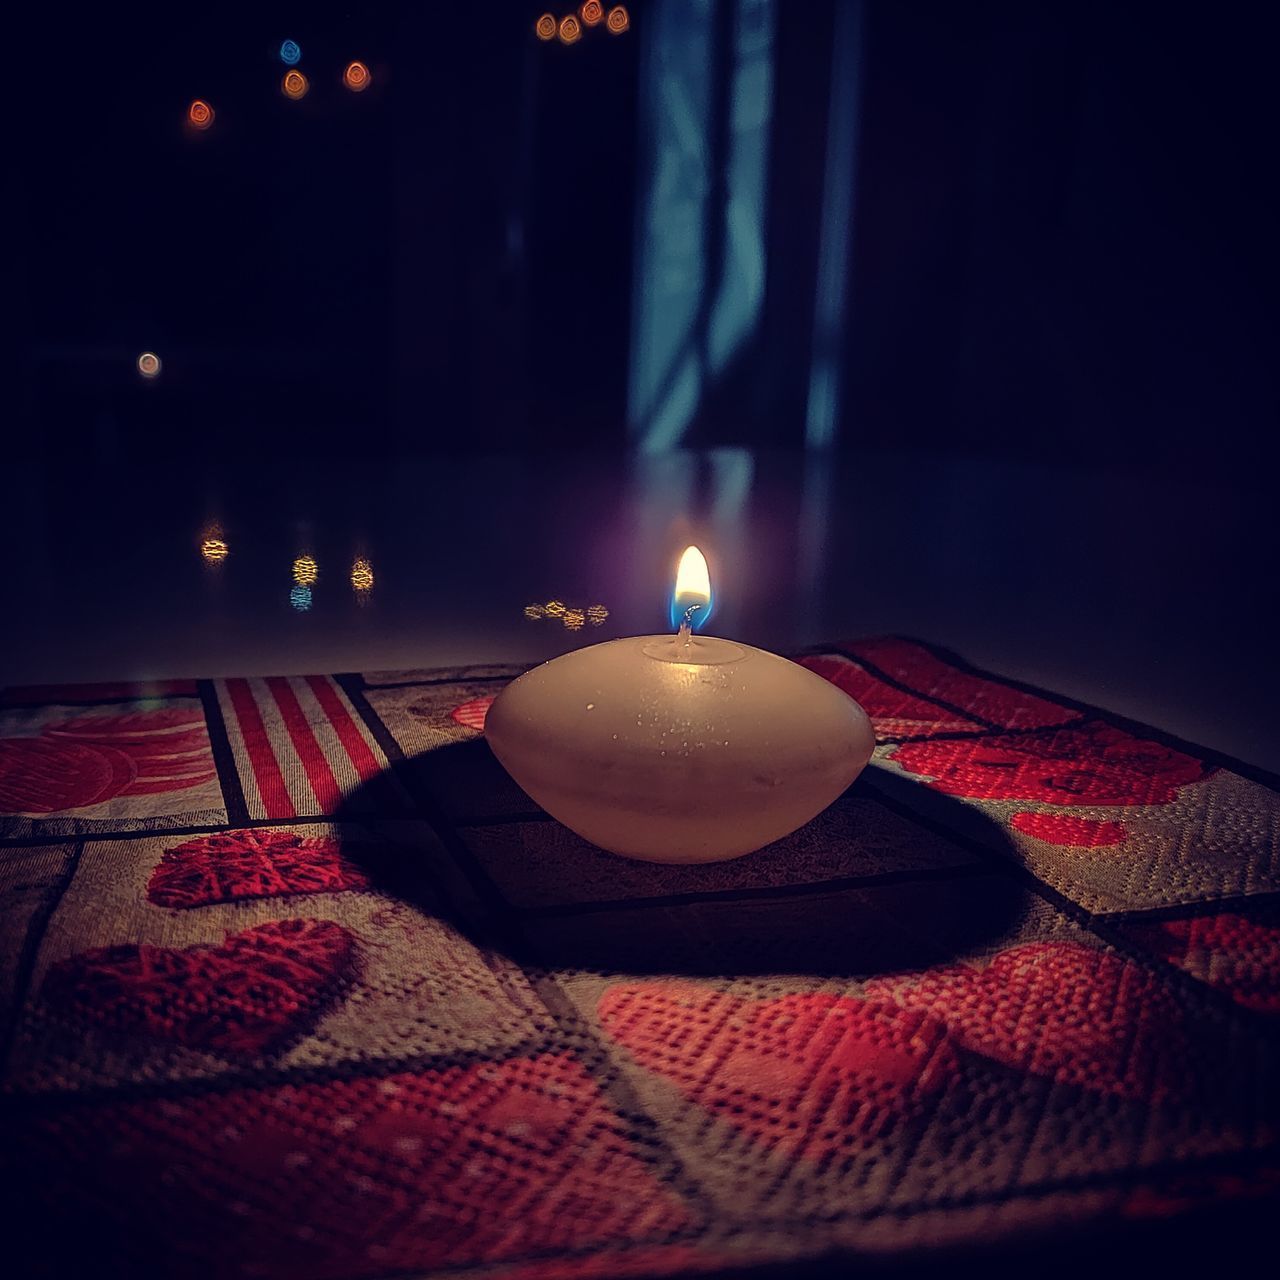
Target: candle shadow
[{"x": 892, "y": 877}]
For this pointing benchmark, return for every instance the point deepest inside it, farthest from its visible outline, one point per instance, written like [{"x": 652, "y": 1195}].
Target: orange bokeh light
[
  {"x": 200, "y": 114},
  {"x": 214, "y": 550},
  {"x": 357, "y": 77},
  {"x": 361, "y": 574},
  {"x": 294, "y": 85},
  {"x": 546, "y": 27},
  {"x": 619, "y": 19},
  {"x": 149, "y": 364},
  {"x": 592, "y": 13},
  {"x": 573, "y": 617},
  {"x": 570, "y": 30}
]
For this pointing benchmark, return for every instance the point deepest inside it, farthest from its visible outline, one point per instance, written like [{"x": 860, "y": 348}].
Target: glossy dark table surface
[{"x": 1149, "y": 594}]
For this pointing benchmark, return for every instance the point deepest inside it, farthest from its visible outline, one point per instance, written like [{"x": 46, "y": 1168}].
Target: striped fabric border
[{"x": 299, "y": 746}]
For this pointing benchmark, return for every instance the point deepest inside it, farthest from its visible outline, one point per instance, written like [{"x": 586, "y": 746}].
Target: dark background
[
  {"x": 1052, "y": 344},
  {"x": 1060, "y": 243}
]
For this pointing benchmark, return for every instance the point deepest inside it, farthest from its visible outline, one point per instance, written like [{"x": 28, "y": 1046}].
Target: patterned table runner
[{"x": 295, "y": 981}]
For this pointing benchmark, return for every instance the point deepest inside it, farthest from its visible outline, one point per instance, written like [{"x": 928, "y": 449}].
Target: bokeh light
[
  {"x": 546, "y": 27},
  {"x": 200, "y": 114},
  {"x": 357, "y": 77},
  {"x": 591, "y": 13},
  {"x": 361, "y": 574},
  {"x": 294, "y": 85},
  {"x": 570, "y": 29},
  {"x": 305, "y": 571},
  {"x": 290, "y": 53},
  {"x": 213, "y": 549},
  {"x": 300, "y": 598},
  {"x": 572, "y": 617},
  {"x": 619, "y": 19},
  {"x": 149, "y": 364}
]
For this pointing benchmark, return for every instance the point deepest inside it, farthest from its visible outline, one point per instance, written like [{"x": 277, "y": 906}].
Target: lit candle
[{"x": 679, "y": 748}]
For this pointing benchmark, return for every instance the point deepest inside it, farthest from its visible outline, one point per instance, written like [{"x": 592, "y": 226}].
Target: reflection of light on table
[
  {"x": 572, "y": 618},
  {"x": 149, "y": 364},
  {"x": 546, "y": 27},
  {"x": 570, "y": 30},
  {"x": 619, "y": 19},
  {"x": 361, "y": 575},
  {"x": 294, "y": 85},
  {"x": 357, "y": 77},
  {"x": 300, "y": 598},
  {"x": 305, "y": 571},
  {"x": 200, "y": 114},
  {"x": 214, "y": 550},
  {"x": 290, "y": 53},
  {"x": 591, "y": 13}
]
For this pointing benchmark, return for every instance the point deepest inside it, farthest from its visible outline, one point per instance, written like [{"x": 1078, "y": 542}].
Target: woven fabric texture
[{"x": 295, "y": 981}]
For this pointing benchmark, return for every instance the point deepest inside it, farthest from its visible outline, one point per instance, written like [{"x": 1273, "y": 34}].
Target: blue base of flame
[{"x": 679, "y": 605}]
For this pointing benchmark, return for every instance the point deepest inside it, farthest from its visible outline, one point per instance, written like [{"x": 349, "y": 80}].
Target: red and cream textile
[{"x": 296, "y": 982}]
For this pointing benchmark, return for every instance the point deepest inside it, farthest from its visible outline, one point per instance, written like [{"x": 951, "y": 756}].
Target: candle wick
[{"x": 686, "y": 625}]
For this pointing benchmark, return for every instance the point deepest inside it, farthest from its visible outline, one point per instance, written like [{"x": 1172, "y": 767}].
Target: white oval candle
[{"x": 679, "y": 748}]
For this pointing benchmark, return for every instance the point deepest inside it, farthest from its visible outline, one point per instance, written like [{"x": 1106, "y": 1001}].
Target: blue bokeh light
[{"x": 290, "y": 53}]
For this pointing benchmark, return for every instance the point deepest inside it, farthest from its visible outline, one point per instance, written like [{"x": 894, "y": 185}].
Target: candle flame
[{"x": 691, "y": 601}]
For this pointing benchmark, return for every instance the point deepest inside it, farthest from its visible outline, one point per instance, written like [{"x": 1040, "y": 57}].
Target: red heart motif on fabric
[
  {"x": 168, "y": 746},
  {"x": 95, "y": 758},
  {"x": 989, "y": 700},
  {"x": 258, "y": 989},
  {"x": 894, "y": 713},
  {"x": 1068, "y": 1012},
  {"x": 39, "y": 776},
  {"x": 1090, "y": 764},
  {"x": 251, "y": 864},
  {"x": 479, "y": 1163},
  {"x": 806, "y": 1074},
  {"x": 471, "y": 715},
  {"x": 1228, "y": 951}
]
